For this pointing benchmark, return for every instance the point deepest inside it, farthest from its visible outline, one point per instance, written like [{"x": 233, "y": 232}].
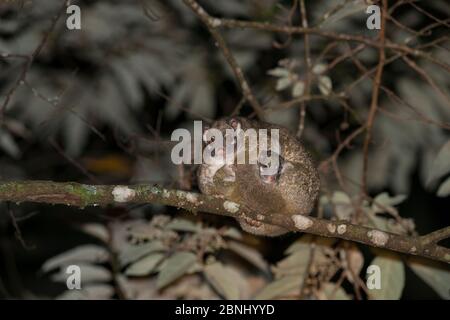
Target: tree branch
[
  {"x": 266, "y": 26},
  {"x": 212, "y": 24},
  {"x": 82, "y": 195}
]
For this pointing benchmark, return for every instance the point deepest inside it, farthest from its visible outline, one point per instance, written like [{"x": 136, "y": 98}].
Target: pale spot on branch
[
  {"x": 123, "y": 194},
  {"x": 302, "y": 222},
  {"x": 378, "y": 238}
]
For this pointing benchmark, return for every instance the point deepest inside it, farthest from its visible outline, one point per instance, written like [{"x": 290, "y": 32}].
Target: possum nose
[{"x": 218, "y": 151}]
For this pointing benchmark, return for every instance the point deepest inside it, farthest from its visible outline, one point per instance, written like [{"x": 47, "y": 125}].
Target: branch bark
[{"x": 82, "y": 195}]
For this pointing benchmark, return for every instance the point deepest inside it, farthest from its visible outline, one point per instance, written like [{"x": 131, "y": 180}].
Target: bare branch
[
  {"x": 212, "y": 24},
  {"x": 82, "y": 195}
]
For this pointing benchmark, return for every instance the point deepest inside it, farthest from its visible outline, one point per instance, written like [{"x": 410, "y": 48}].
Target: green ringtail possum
[{"x": 290, "y": 188}]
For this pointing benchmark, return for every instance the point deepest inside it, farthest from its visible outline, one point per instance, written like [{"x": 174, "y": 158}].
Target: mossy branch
[{"x": 83, "y": 195}]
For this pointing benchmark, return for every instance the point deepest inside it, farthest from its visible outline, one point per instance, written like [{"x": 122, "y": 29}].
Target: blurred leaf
[
  {"x": 202, "y": 100},
  {"x": 304, "y": 243},
  {"x": 89, "y": 292},
  {"x": 283, "y": 83},
  {"x": 86, "y": 253},
  {"x": 297, "y": 262},
  {"x": 89, "y": 273},
  {"x": 176, "y": 266},
  {"x": 134, "y": 252},
  {"x": 441, "y": 164},
  {"x": 279, "y": 72},
  {"x": 183, "y": 225},
  {"x": 392, "y": 278},
  {"x": 340, "y": 197},
  {"x": 333, "y": 293},
  {"x": 145, "y": 266},
  {"x": 222, "y": 280},
  {"x": 280, "y": 287},
  {"x": 233, "y": 233},
  {"x": 298, "y": 89},
  {"x": 444, "y": 189},
  {"x": 378, "y": 222},
  {"x": 8, "y": 144},
  {"x": 301, "y": 244},
  {"x": 383, "y": 199},
  {"x": 179, "y": 94},
  {"x": 325, "y": 85},
  {"x": 436, "y": 275},
  {"x": 340, "y": 203},
  {"x": 250, "y": 254},
  {"x": 128, "y": 83},
  {"x": 96, "y": 230},
  {"x": 344, "y": 10},
  {"x": 75, "y": 132},
  {"x": 319, "y": 68}
]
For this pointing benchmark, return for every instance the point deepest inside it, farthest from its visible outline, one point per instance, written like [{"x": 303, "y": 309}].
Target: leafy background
[{"x": 100, "y": 103}]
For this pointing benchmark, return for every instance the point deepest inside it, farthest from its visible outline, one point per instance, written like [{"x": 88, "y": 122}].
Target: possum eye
[
  {"x": 207, "y": 139},
  {"x": 234, "y": 123},
  {"x": 273, "y": 175}
]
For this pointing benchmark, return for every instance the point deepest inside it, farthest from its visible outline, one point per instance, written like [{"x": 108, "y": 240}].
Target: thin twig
[
  {"x": 212, "y": 24},
  {"x": 29, "y": 61},
  {"x": 375, "y": 93}
]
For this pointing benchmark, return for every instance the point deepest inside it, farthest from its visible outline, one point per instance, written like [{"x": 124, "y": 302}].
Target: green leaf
[
  {"x": 283, "y": 83},
  {"x": 8, "y": 144},
  {"x": 145, "y": 266},
  {"x": 280, "y": 287},
  {"x": 441, "y": 164},
  {"x": 176, "y": 266},
  {"x": 136, "y": 252},
  {"x": 436, "y": 275},
  {"x": 333, "y": 293},
  {"x": 89, "y": 273},
  {"x": 248, "y": 253},
  {"x": 295, "y": 264},
  {"x": 319, "y": 68},
  {"x": 183, "y": 225},
  {"x": 96, "y": 230},
  {"x": 89, "y": 292},
  {"x": 233, "y": 233},
  {"x": 383, "y": 199},
  {"x": 444, "y": 189},
  {"x": 378, "y": 222},
  {"x": 301, "y": 244},
  {"x": 392, "y": 278},
  {"x": 325, "y": 85},
  {"x": 222, "y": 280},
  {"x": 340, "y": 197},
  {"x": 279, "y": 72},
  {"x": 304, "y": 244},
  {"x": 298, "y": 89},
  {"x": 85, "y": 253}
]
